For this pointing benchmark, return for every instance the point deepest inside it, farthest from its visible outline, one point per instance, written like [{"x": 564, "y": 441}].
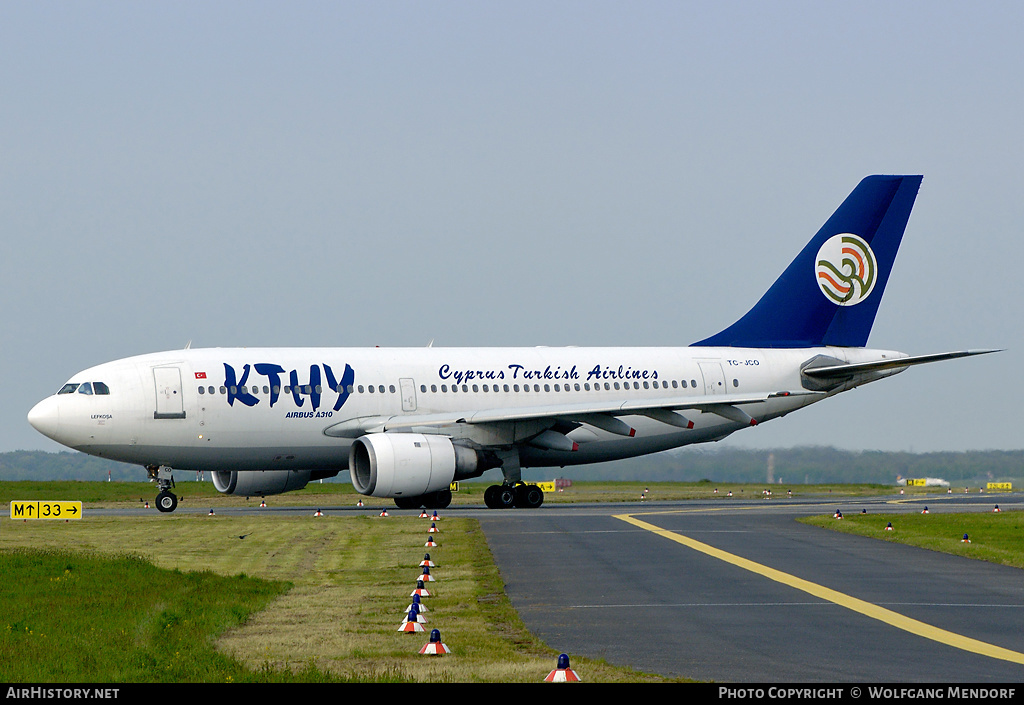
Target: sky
[{"x": 502, "y": 174}]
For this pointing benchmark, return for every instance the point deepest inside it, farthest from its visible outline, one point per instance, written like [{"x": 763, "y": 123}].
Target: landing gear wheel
[
  {"x": 529, "y": 496},
  {"x": 166, "y": 501},
  {"x": 408, "y": 502},
  {"x": 438, "y": 500},
  {"x": 500, "y": 497}
]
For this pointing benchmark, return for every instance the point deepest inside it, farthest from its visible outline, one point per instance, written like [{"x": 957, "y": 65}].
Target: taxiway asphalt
[{"x": 588, "y": 582}]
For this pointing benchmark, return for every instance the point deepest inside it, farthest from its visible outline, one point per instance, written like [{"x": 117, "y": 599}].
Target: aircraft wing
[{"x": 601, "y": 415}]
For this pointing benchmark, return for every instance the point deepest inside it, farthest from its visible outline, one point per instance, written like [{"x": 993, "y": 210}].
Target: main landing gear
[
  {"x": 508, "y": 496},
  {"x": 433, "y": 500}
]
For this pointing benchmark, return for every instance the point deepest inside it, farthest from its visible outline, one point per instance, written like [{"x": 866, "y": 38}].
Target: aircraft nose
[{"x": 45, "y": 418}]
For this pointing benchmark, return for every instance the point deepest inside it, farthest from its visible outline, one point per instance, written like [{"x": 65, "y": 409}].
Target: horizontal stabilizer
[{"x": 850, "y": 369}]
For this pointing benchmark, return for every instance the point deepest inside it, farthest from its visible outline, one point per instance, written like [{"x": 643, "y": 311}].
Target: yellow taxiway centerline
[{"x": 866, "y": 608}]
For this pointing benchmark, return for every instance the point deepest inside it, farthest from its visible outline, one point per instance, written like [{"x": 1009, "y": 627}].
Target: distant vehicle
[{"x": 406, "y": 423}]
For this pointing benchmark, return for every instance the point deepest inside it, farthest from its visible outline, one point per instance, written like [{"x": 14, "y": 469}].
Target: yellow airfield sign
[{"x": 35, "y": 509}]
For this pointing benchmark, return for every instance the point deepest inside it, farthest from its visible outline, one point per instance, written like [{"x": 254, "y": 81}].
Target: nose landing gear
[{"x": 166, "y": 501}]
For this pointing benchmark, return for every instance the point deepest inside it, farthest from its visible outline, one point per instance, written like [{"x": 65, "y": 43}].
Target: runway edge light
[
  {"x": 435, "y": 647},
  {"x": 563, "y": 673}
]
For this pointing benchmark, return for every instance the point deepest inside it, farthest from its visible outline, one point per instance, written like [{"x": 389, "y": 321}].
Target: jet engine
[
  {"x": 259, "y": 482},
  {"x": 411, "y": 464}
]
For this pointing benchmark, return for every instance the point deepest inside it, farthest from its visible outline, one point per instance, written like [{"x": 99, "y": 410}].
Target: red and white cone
[
  {"x": 423, "y": 514},
  {"x": 430, "y": 542},
  {"x": 435, "y": 647},
  {"x": 318, "y": 513},
  {"x": 411, "y": 626},
  {"x": 562, "y": 674},
  {"x": 420, "y": 590},
  {"x": 384, "y": 512},
  {"x": 426, "y": 576},
  {"x": 433, "y": 529},
  {"x": 413, "y": 614},
  {"x": 426, "y": 562}
]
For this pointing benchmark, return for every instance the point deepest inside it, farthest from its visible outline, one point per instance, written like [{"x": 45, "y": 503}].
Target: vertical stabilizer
[{"x": 830, "y": 293}]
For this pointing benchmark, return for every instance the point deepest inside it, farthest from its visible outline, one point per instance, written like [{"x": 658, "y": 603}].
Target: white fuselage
[{"x": 291, "y": 408}]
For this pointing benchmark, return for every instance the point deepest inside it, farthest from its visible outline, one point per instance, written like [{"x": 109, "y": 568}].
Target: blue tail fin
[{"x": 830, "y": 293}]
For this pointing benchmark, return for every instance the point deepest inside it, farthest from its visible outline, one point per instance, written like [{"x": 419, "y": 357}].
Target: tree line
[{"x": 800, "y": 465}]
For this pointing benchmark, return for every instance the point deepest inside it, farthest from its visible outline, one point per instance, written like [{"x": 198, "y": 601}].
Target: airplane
[{"x": 408, "y": 422}]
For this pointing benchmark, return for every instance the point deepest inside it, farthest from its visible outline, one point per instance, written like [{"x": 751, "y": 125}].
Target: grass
[
  {"x": 73, "y": 617},
  {"x": 182, "y": 598},
  {"x": 994, "y": 537}
]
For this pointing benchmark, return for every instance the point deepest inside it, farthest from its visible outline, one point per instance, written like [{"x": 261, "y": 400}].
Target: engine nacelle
[
  {"x": 408, "y": 464},
  {"x": 259, "y": 482}
]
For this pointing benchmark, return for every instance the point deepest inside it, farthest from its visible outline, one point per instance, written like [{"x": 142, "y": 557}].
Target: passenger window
[{"x": 202, "y": 390}]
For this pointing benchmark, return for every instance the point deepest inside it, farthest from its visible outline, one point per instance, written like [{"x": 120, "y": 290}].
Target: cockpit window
[{"x": 85, "y": 388}]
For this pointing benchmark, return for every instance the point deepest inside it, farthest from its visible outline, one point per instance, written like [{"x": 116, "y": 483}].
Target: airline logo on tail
[{"x": 846, "y": 269}]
